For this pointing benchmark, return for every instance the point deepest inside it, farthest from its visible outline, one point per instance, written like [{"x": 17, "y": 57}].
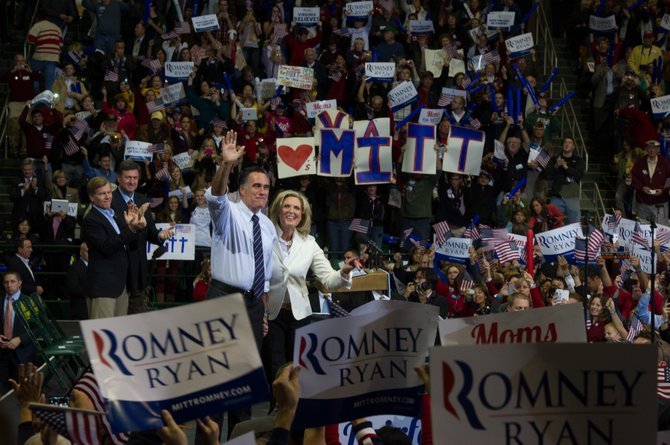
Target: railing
[
  {"x": 4, "y": 120},
  {"x": 599, "y": 203}
]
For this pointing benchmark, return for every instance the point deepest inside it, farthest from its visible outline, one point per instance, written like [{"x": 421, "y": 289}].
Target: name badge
[{"x": 519, "y": 166}]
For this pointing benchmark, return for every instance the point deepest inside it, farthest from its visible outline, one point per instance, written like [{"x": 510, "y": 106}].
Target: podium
[{"x": 377, "y": 280}]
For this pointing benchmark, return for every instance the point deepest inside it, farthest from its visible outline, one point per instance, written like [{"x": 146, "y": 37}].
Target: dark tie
[{"x": 259, "y": 269}]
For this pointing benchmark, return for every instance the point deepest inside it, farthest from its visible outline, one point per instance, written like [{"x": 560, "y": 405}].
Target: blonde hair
[{"x": 306, "y": 220}]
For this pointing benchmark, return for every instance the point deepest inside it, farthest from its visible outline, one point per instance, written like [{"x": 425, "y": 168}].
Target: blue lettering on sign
[
  {"x": 374, "y": 173},
  {"x": 420, "y": 133},
  {"x": 333, "y": 147},
  {"x": 465, "y": 135}
]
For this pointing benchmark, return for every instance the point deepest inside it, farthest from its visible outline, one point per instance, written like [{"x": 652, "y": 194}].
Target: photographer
[{"x": 422, "y": 290}]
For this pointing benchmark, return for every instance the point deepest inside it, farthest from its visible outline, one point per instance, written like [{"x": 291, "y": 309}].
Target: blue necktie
[{"x": 259, "y": 269}]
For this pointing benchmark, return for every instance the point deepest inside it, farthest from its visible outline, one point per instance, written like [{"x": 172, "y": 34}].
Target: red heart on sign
[{"x": 294, "y": 158}]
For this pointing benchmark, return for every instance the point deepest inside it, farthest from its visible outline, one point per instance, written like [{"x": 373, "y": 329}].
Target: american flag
[
  {"x": 335, "y": 75},
  {"x": 612, "y": 222},
  {"x": 88, "y": 384},
  {"x": 182, "y": 28},
  {"x": 170, "y": 35},
  {"x": 48, "y": 141},
  {"x": 405, "y": 234},
  {"x": 219, "y": 123},
  {"x": 153, "y": 64},
  {"x": 79, "y": 128},
  {"x": 163, "y": 174},
  {"x": 279, "y": 32},
  {"x": 580, "y": 249},
  {"x": 543, "y": 157},
  {"x": 467, "y": 282},
  {"x": 491, "y": 57},
  {"x": 444, "y": 100},
  {"x": 451, "y": 50},
  {"x": 474, "y": 123},
  {"x": 342, "y": 32},
  {"x": 155, "y": 105},
  {"x": 111, "y": 76},
  {"x": 336, "y": 311},
  {"x": 498, "y": 234},
  {"x": 71, "y": 147},
  {"x": 158, "y": 148},
  {"x": 625, "y": 269},
  {"x": 663, "y": 382},
  {"x": 596, "y": 239},
  {"x": 466, "y": 81},
  {"x": 359, "y": 225},
  {"x": 80, "y": 426},
  {"x": 636, "y": 327},
  {"x": 638, "y": 236},
  {"x": 507, "y": 251},
  {"x": 663, "y": 237},
  {"x": 442, "y": 231},
  {"x": 472, "y": 232}
]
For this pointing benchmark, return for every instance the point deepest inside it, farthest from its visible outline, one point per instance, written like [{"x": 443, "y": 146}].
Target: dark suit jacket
[
  {"x": 76, "y": 287},
  {"x": 137, "y": 252},
  {"x": 108, "y": 254},
  {"x": 30, "y": 204},
  {"x": 29, "y": 283},
  {"x": 26, "y": 350}
]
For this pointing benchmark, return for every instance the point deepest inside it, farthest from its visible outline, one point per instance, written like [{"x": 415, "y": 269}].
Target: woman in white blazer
[{"x": 295, "y": 251}]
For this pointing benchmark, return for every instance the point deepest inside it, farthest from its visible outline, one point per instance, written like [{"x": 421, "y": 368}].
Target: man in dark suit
[
  {"x": 128, "y": 179},
  {"x": 15, "y": 344},
  {"x": 20, "y": 262},
  {"x": 27, "y": 194},
  {"x": 109, "y": 236},
  {"x": 76, "y": 285}
]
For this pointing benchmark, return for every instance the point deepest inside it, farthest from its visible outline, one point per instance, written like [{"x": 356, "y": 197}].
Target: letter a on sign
[
  {"x": 420, "y": 156},
  {"x": 465, "y": 148},
  {"x": 374, "y": 158}
]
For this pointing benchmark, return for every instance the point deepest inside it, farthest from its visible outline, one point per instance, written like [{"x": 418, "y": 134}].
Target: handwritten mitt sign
[{"x": 295, "y": 157}]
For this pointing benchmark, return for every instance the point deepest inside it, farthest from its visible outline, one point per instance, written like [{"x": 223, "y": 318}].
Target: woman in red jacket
[{"x": 544, "y": 216}]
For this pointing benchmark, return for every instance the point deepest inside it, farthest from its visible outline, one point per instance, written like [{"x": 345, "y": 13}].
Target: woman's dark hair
[{"x": 391, "y": 435}]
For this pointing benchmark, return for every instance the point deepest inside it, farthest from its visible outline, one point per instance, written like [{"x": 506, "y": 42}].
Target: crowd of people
[{"x": 107, "y": 92}]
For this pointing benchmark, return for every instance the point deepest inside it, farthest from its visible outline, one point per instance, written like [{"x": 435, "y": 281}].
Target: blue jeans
[
  {"x": 48, "y": 69},
  {"x": 421, "y": 229},
  {"x": 105, "y": 43},
  {"x": 339, "y": 236},
  {"x": 569, "y": 207}
]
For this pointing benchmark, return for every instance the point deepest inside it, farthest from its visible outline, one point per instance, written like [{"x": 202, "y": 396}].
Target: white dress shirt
[
  {"x": 202, "y": 221},
  {"x": 232, "y": 253}
]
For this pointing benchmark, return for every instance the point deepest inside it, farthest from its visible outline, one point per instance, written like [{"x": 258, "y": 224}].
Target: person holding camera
[
  {"x": 423, "y": 290},
  {"x": 544, "y": 216}
]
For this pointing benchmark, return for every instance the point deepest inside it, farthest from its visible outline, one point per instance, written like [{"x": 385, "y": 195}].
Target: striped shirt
[{"x": 48, "y": 41}]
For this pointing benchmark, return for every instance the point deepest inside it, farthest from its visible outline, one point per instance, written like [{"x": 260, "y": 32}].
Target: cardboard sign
[
  {"x": 373, "y": 154},
  {"x": 421, "y": 27},
  {"x": 660, "y": 106},
  {"x": 178, "y": 194},
  {"x": 194, "y": 360},
  {"x": 625, "y": 232},
  {"x": 173, "y": 94},
  {"x": 138, "y": 151},
  {"x": 379, "y": 71},
  {"x": 336, "y": 157},
  {"x": 295, "y": 76},
  {"x": 520, "y": 45},
  {"x": 450, "y": 93},
  {"x": 558, "y": 324},
  {"x": 402, "y": 95},
  {"x": 181, "y": 246},
  {"x": 431, "y": 115},
  {"x": 500, "y": 19},
  {"x": 602, "y": 23},
  {"x": 465, "y": 148},
  {"x": 420, "y": 156},
  {"x": 178, "y": 71},
  {"x": 306, "y": 16},
  {"x": 204, "y": 23},
  {"x": 363, "y": 364},
  {"x": 183, "y": 161},
  {"x": 45, "y": 97},
  {"x": 560, "y": 241},
  {"x": 434, "y": 59},
  {"x": 295, "y": 157},
  {"x": 358, "y": 9},
  {"x": 267, "y": 89},
  {"x": 454, "y": 250},
  {"x": 316, "y": 108},
  {"x": 456, "y": 66},
  {"x": 542, "y": 392}
]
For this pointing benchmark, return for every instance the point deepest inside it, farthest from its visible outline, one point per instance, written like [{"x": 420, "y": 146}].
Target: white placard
[
  {"x": 306, "y": 16},
  {"x": 434, "y": 59},
  {"x": 665, "y": 22},
  {"x": 380, "y": 71},
  {"x": 181, "y": 246},
  {"x": 295, "y": 157},
  {"x": 195, "y": 360},
  {"x": 72, "y": 208},
  {"x": 602, "y": 23},
  {"x": 402, "y": 95},
  {"x": 625, "y": 232},
  {"x": 358, "y": 9},
  {"x": 450, "y": 93},
  {"x": 456, "y": 66},
  {"x": 500, "y": 19},
  {"x": 173, "y": 94},
  {"x": 204, "y": 23},
  {"x": 431, "y": 115},
  {"x": 183, "y": 161},
  {"x": 560, "y": 241},
  {"x": 46, "y": 97},
  {"x": 373, "y": 156},
  {"x": 177, "y": 193},
  {"x": 178, "y": 71},
  {"x": 455, "y": 250},
  {"x": 645, "y": 258},
  {"x": 660, "y": 106},
  {"x": 519, "y": 45},
  {"x": 336, "y": 145},
  {"x": 316, "y": 108},
  {"x": 543, "y": 393},
  {"x": 465, "y": 148},
  {"x": 295, "y": 76},
  {"x": 249, "y": 114},
  {"x": 421, "y": 27},
  {"x": 420, "y": 156},
  {"x": 138, "y": 151},
  {"x": 555, "y": 324}
]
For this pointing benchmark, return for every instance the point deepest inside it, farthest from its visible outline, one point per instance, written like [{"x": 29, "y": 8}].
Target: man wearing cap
[
  {"x": 645, "y": 54},
  {"x": 156, "y": 131},
  {"x": 651, "y": 181}
]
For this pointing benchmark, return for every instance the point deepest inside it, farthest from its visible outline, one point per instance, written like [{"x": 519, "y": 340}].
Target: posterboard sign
[
  {"x": 72, "y": 208},
  {"x": 249, "y": 114},
  {"x": 316, "y": 108},
  {"x": 520, "y": 45},
  {"x": 625, "y": 232},
  {"x": 183, "y": 161},
  {"x": 645, "y": 258},
  {"x": 358, "y": 9},
  {"x": 363, "y": 365},
  {"x": 402, "y": 95},
  {"x": 482, "y": 30},
  {"x": 660, "y": 106},
  {"x": 557, "y": 324},
  {"x": 267, "y": 88},
  {"x": 295, "y": 157},
  {"x": 173, "y": 94},
  {"x": 138, "y": 151},
  {"x": 178, "y": 194},
  {"x": 45, "y": 97},
  {"x": 181, "y": 246},
  {"x": 431, "y": 116},
  {"x": 500, "y": 19},
  {"x": 178, "y": 71},
  {"x": 456, "y": 66},
  {"x": 665, "y": 22},
  {"x": 420, "y": 155},
  {"x": 421, "y": 27},
  {"x": 193, "y": 360},
  {"x": 204, "y": 23},
  {"x": 560, "y": 241},
  {"x": 454, "y": 250},
  {"x": 602, "y": 24},
  {"x": 434, "y": 59},
  {"x": 336, "y": 156},
  {"x": 373, "y": 154},
  {"x": 543, "y": 393},
  {"x": 295, "y": 76},
  {"x": 379, "y": 71},
  {"x": 306, "y": 16},
  {"x": 450, "y": 93},
  {"x": 465, "y": 148}
]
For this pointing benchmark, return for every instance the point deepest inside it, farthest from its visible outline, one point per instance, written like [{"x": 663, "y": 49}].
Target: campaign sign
[
  {"x": 500, "y": 19},
  {"x": 295, "y": 157},
  {"x": 660, "y": 106},
  {"x": 557, "y": 324},
  {"x": 402, "y": 95},
  {"x": 45, "y": 97},
  {"x": 183, "y": 161},
  {"x": 465, "y": 148},
  {"x": 173, "y": 94},
  {"x": 316, "y": 108},
  {"x": 454, "y": 250},
  {"x": 363, "y": 365},
  {"x": 602, "y": 23},
  {"x": 358, "y": 9},
  {"x": 543, "y": 393},
  {"x": 645, "y": 258},
  {"x": 625, "y": 232},
  {"x": 178, "y": 71},
  {"x": 306, "y": 16},
  {"x": 450, "y": 93},
  {"x": 421, "y": 27},
  {"x": 178, "y": 194},
  {"x": 411, "y": 426},
  {"x": 138, "y": 151},
  {"x": 193, "y": 360},
  {"x": 520, "y": 45},
  {"x": 420, "y": 156},
  {"x": 204, "y": 23},
  {"x": 665, "y": 22},
  {"x": 379, "y": 71},
  {"x": 72, "y": 208},
  {"x": 295, "y": 76},
  {"x": 431, "y": 116},
  {"x": 373, "y": 154},
  {"x": 435, "y": 59},
  {"x": 559, "y": 241},
  {"x": 336, "y": 157},
  {"x": 181, "y": 246}
]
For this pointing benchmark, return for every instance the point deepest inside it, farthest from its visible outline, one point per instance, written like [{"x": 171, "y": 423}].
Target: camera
[{"x": 423, "y": 287}]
